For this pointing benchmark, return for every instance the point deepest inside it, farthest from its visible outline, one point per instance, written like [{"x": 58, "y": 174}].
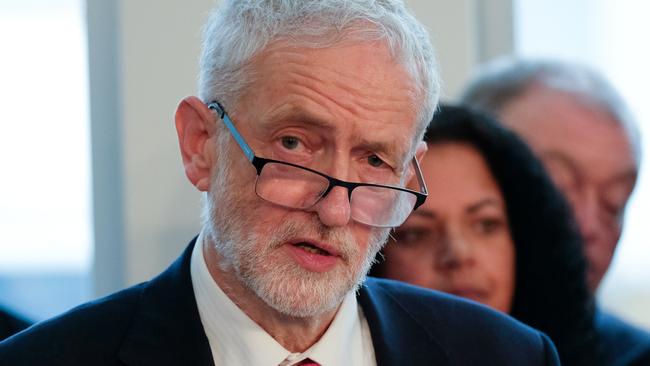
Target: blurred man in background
[{"x": 589, "y": 142}]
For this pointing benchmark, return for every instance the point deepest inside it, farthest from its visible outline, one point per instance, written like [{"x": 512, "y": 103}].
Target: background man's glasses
[{"x": 297, "y": 187}]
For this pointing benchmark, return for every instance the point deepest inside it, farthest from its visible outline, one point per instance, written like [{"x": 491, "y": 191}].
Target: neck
[{"x": 296, "y": 334}]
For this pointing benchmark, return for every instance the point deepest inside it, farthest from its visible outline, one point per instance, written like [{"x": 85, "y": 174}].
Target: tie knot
[{"x": 307, "y": 362}]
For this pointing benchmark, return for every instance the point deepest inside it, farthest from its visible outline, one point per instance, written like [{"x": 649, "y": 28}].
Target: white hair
[
  {"x": 238, "y": 30},
  {"x": 502, "y": 81}
]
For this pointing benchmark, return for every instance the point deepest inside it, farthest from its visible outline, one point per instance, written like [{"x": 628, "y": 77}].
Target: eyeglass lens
[{"x": 298, "y": 188}]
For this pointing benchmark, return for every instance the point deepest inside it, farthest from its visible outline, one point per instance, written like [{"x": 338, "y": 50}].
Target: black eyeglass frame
[{"x": 259, "y": 163}]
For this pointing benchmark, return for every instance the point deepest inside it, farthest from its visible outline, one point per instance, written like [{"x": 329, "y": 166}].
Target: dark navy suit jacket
[
  {"x": 157, "y": 323},
  {"x": 623, "y": 344},
  {"x": 11, "y": 323}
]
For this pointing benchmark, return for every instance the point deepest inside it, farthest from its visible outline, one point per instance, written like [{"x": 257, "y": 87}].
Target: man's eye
[
  {"x": 375, "y": 161},
  {"x": 613, "y": 212},
  {"x": 290, "y": 142}
]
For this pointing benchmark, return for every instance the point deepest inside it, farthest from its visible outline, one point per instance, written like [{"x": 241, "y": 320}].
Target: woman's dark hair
[{"x": 551, "y": 292}]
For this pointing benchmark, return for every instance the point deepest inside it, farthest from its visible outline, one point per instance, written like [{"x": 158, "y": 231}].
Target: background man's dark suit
[
  {"x": 11, "y": 323},
  {"x": 624, "y": 344},
  {"x": 157, "y": 323}
]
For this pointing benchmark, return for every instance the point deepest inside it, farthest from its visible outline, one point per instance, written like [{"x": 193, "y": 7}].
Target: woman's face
[{"x": 458, "y": 241}]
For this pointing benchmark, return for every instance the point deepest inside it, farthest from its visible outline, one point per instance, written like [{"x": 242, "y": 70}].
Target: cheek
[
  {"x": 601, "y": 246},
  {"x": 368, "y": 238},
  {"x": 500, "y": 262},
  {"x": 260, "y": 219},
  {"x": 409, "y": 264},
  {"x": 611, "y": 233},
  {"x": 600, "y": 253}
]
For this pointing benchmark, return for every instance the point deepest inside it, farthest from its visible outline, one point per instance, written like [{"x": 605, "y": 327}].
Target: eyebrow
[
  {"x": 429, "y": 214},
  {"x": 390, "y": 150},
  {"x": 483, "y": 203},
  {"x": 561, "y": 158},
  {"x": 627, "y": 176},
  {"x": 424, "y": 213},
  {"x": 306, "y": 118},
  {"x": 296, "y": 114}
]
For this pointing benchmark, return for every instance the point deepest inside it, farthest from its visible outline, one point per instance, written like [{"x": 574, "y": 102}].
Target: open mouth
[
  {"x": 311, "y": 248},
  {"x": 313, "y": 255}
]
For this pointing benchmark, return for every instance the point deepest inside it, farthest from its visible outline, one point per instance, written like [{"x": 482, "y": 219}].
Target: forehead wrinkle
[
  {"x": 371, "y": 98},
  {"x": 294, "y": 111},
  {"x": 353, "y": 84},
  {"x": 359, "y": 97},
  {"x": 296, "y": 63}
]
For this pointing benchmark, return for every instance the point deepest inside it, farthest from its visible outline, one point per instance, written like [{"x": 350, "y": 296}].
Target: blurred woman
[{"x": 495, "y": 230}]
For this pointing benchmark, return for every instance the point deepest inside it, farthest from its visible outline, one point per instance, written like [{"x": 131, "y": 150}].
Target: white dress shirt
[{"x": 235, "y": 339}]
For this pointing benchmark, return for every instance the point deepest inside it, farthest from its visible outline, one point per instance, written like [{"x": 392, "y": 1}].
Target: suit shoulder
[
  {"x": 456, "y": 323},
  {"x": 93, "y": 328},
  {"x": 624, "y": 343},
  {"x": 429, "y": 305},
  {"x": 10, "y": 323}
]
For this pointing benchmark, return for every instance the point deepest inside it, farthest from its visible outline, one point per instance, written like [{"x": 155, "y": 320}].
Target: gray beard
[{"x": 284, "y": 286}]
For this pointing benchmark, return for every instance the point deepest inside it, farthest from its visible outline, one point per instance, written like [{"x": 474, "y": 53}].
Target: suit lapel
[
  {"x": 397, "y": 337},
  {"x": 167, "y": 329}
]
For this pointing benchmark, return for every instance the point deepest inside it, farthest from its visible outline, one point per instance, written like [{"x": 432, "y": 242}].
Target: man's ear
[{"x": 195, "y": 125}]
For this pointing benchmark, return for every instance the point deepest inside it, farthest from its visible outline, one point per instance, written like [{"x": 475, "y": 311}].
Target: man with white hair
[
  {"x": 589, "y": 142},
  {"x": 307, "y": 127}
]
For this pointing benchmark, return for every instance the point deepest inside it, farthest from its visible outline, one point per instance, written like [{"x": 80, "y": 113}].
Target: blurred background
[{"x": 93, "y": 197}]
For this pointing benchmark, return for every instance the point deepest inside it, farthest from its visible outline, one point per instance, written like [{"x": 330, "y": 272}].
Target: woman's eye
[
  {"x": 375, "y": 161},
  {"x": 290, "y": 142},
  {"x": 487, "y": 226},
  {"x": 409, "y": 236}
]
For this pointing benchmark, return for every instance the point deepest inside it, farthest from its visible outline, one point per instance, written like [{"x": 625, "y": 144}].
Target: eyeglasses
[{"x": 298, "y": 187}]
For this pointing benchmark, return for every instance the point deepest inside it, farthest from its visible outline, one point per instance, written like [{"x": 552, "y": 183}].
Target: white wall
[
  {"x": 143, "y": 60},
  {"x": 465, "y": 33}
]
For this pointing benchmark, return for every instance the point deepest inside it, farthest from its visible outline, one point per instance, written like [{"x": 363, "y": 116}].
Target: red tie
[{"x": 307, "y": 362}]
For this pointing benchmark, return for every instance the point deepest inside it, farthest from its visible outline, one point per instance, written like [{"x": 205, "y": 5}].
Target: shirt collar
[
  {"x": 342, "y": 342},
  {"x": 235, "y": 339}
]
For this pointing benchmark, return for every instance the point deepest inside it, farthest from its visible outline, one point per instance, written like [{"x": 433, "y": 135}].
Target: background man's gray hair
[
  {"x": 240, "y": 29},
  {"x": 502, "y": 81}
]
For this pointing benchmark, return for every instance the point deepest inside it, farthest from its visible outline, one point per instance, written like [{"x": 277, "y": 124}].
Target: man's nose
[
  {"x": 455, "y": 252},
  {"x": 334, "y": 209},
  {"x": 586, "y": 209}
]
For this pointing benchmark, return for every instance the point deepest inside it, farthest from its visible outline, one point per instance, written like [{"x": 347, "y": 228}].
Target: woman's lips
[{"x": 469, "y": 292}]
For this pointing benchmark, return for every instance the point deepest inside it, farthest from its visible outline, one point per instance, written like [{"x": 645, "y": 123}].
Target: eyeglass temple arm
[
  {"x": 217, "y": 107},
  {"x": 418, "y": 174}
]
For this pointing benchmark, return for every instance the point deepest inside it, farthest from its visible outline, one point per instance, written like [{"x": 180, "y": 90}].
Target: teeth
[{"x": 312, "y": 249}]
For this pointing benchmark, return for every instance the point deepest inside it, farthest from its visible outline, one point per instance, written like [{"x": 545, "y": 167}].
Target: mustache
[{"x": 340, "y": 238}]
